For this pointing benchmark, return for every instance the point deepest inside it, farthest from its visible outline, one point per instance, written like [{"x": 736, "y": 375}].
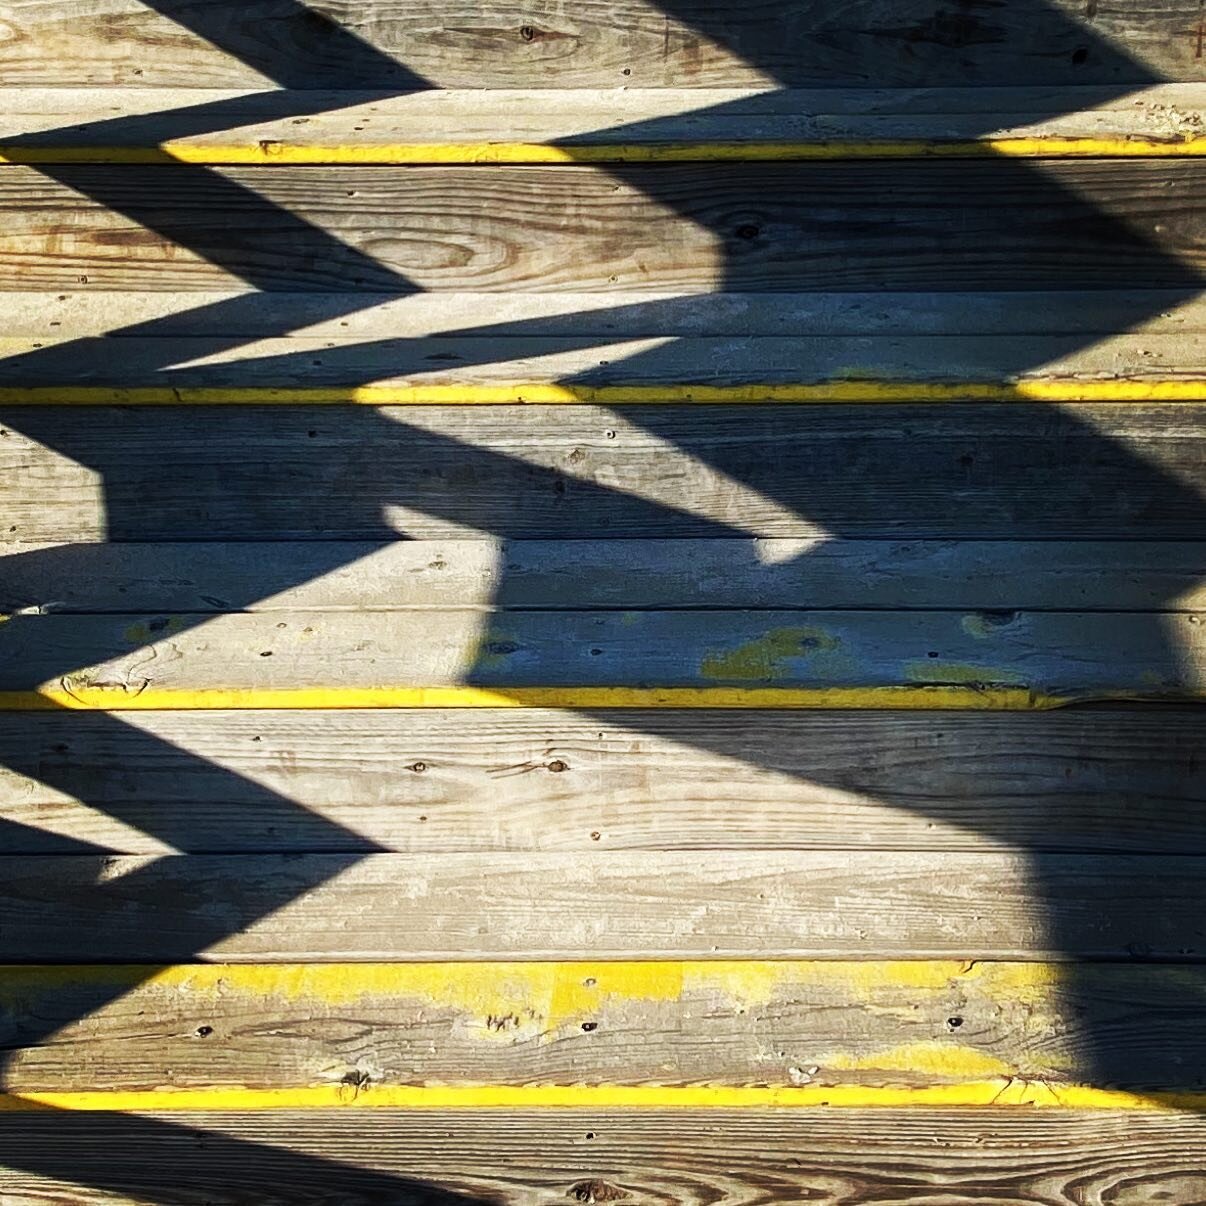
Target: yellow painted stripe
[
  {"x": 273, "y": 151},
  {"x": 1047, "y": 389},
  {"x": 996, "y": 1092},
  {"x": 563, "y": 993},
  {"x": 896, "y": 695}
]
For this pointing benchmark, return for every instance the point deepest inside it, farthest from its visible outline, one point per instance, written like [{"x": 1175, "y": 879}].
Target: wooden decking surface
[{"x": 602, "y": 604}]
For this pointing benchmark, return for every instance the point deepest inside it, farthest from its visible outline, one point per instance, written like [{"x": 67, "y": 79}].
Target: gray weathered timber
[
  {"x": 777, "y": 573},
  {"x": 1070, "y": 656},
  {"x": 600, "y": 905},
  {"x": 498, "y": 360},
  {"x": 1101, "y": 313},
  {"x": 1103, "y": 472},
  {"x": 432, "y": 780},
  {"x": 823, "y": 1024},
  {"x": 94, "y": 117},
  {"x": 390, "y": 44},
  {"x": 976, "y": 224},
  {"x": 1008, "y": 1157}
]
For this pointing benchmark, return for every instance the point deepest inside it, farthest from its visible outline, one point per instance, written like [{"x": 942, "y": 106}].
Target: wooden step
[
  {"x": 719, "y": 904},
  {"x": 1104, "y": 472},
  {"x": 493, "y": 369},
  {"x": 963, "y": 225},
  {"x": 215, "y": 126},
  {"x": 223, "y": 315},
  {"x": 472, "y": 349},
  {"x": 585, "y": 659},
  {"x": 540, "y": 44},
  {"x": 599, "y": 1035},
  {"x": 442, "y": 780},
  {"x": 210, "y": 578},
  {"x": 696, "y": 1158}
]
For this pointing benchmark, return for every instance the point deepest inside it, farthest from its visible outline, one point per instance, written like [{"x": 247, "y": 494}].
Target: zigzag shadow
[{"x": 825, "y": 495}]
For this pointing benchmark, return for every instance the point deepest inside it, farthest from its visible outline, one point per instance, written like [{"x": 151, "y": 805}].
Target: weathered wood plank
[
  {"x": 572, "y": 659},
  {"x": 854, "y": 1032},
  {"x": 507, "y": 125},
  {"x": 1133, "y": 366},
  {"x": 620, "y": 315},
  {"x": 977, "y": 224},
  {"x": 388, "y": 44},
  {"x": 272, "y": 473},
  {"x": 441, "y": 780},
  {"x": 210, "y": 578},
  {"x": 642, "y": 905},
  {"x": 711, "y": 1158}
]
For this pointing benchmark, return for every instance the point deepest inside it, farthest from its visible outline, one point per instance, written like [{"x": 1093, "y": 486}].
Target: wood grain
[
  {"x": 83, "y": 121},
  {"x": 613, "y": 316},
  {"x": 981, "y": 224},
  {"x": 832, "y": 1158},
  {"x": 265, "y": 473},
  {"x": 828, "y": 1025},
  {"x": 433, "y": 780},
  {"x": 755, "y": 362},
  {"x": 131, "y": 660},
  {"x": 643, "y": 905},
  {"x": 392, "y": 45},
  {"x": 209, "y": 578}
]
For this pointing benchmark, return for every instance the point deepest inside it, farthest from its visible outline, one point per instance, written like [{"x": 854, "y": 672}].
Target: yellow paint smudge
[
  {"x": 763, "y": 659},
  {"x": 950, "y": 1061}
]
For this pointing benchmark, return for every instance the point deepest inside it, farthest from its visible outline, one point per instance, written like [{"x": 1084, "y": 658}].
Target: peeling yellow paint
[{"x": 953, "y": 1061}]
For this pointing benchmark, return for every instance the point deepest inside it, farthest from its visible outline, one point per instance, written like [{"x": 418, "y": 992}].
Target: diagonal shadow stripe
[{"x": 736, "y": 461}]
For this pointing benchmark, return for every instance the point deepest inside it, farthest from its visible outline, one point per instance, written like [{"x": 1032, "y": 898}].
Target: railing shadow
[{"x": 184, "y": 492}]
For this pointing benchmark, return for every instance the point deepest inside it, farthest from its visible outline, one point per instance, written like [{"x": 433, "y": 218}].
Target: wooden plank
[
  {"x": 599, "y": 658},
  {"x": 852, "y": 1034},
  {"x": 474, "y": 370},
  {"x": 209, "y": 578},
  {"x": 832, "y": 1158},
  {"x": 74, "y": 125},
  {"x": 388, "y": 45},
  {"x": 643, "y": 905},
  {"x": 437, "y": 780},
  {"x": 979, "y": 224},
  {"x": 273, "y": 473},
  {"x": 1101, "y": 313}
]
